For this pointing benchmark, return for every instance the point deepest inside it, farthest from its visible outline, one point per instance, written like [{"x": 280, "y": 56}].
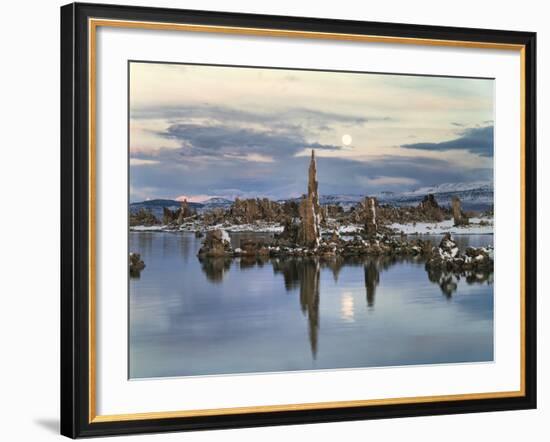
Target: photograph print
[{"x": 284, "y": 220}]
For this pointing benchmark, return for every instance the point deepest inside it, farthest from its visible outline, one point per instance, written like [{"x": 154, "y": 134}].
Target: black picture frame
[{"x": 75, "y": 220}]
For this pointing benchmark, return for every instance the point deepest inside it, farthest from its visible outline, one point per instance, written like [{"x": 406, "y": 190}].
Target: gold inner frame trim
[
  {"x": 93, "y": 24},
  {"x": 305, "y": 406}
]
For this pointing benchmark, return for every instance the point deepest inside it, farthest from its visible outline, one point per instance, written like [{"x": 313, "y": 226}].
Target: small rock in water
[
  {"x": 136, "y": 264},
  {"x": 216, "y": 244},
  {"x": 448, "y": 257}
]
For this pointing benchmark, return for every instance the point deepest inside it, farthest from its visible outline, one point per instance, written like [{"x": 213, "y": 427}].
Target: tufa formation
[
  {"x": 136, "y": 264},
  {"x": 458, "y": 216},
  {"x": 309, "y": 234},
  {"x": 177, "y": 216},
  {"x": 370, "y": 216}
]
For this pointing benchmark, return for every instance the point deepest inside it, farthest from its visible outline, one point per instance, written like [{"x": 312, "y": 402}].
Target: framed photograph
[{"x": 274, "y": 220}]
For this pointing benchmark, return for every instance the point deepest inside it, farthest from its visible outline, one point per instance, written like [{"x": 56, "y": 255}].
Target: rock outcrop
[
  {"x": 334, "y": 246},
  {"x": 250, "y": 210},
  {"x": 215, "y": 216},
  {"x": 143, "y": 217},
  {"x": 366, "y": 213},
  {"x": 168, "y": 216},
  {"x": 447, "y": 257},
  {"x": 310, "y": 210},
  {"x": 216, "y": 244},
  {"x": 333, "y": 210},
  {"x": 177, "y": 216},
  {"x": 290, "y": 233},
  {"x": 136, "y": 264},
  {"x": 184, "y": 212},
  {"x": 370, "y": 218},
  {"x": 429, "y": 202},
  {"x": 458, "y": 216},
  {"x": 430, "y": 209},
  {"x": 250, "y": 247}
]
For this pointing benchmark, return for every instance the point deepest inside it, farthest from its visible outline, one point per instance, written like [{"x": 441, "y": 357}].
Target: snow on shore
[
  {"x": 478, "y": 226},
  {"x": 474, "y": 228},
  {"x": 256, "y": 227},
  {"x": 192, "y": 227},
  {"x": 157, "y": 228},
  {"x": 346, "y": 230}
]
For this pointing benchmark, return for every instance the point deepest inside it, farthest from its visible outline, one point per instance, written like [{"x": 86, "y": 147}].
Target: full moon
[{"x": 346, "y": 140}]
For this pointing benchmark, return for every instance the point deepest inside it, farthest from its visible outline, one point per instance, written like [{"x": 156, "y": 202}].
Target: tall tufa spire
[
  {"x": 312, "y": 186},
  {"x": 310, "y": 209}
]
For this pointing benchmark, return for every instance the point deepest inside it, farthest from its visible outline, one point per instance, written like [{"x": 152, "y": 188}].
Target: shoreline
[{"x": 409, "y": 229}]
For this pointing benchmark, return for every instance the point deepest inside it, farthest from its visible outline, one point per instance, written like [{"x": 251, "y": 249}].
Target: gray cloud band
[{"x": 478, "y": 140}]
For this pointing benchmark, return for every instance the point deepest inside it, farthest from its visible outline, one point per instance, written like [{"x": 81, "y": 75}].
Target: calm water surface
[{"x": 222, "y": 316}]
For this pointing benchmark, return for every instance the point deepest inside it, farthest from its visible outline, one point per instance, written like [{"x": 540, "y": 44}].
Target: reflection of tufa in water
[
  {"x": 373, "y": 266},
  {"x": 305, "y": 274},
  {"x": 218, "y": 316},
  {"x": 372, "y": 279},
  {"x": 309, "y": 300},
  {"x": 215, "y": 268},
  {"x": 448, "y": 280}
]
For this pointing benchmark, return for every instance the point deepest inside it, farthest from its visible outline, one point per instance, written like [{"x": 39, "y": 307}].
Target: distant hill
[
  {"x": 157, "y": 205},
  {"x": 216, "y": 203}
]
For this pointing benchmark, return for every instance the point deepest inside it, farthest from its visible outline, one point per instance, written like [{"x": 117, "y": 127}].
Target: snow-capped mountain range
[{"x": 474, "y": 196}]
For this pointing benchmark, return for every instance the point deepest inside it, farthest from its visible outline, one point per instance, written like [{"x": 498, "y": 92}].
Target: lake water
[{"x": 223, "y": 316}]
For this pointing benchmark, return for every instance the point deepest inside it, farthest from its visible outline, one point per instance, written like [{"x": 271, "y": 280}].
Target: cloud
[
  {"x": 142, "y": 162},
  {"x": 239, "y": 142},
  {"x": 388, "y": 181},
  {"x": 324, "y": 117},
  {"x": 253, "y": 157},
  {"x": 211, "y": 130},
  {"x": 478, "y": 140},
  {"x": 289, "y": 115},
  {"x": 227, "y": 131}
]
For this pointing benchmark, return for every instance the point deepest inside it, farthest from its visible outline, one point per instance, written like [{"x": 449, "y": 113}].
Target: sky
[{"x": 198, "y": 132}]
